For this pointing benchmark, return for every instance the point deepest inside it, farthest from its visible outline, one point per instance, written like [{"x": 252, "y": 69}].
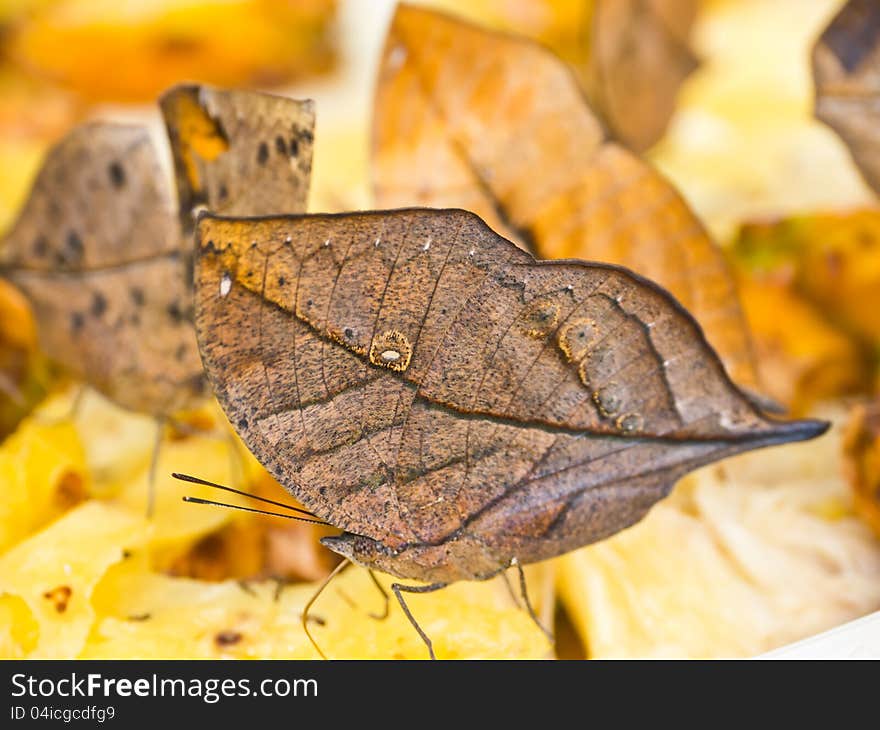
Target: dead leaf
[
  {"x": 497, "y": 125},
  {"x": 423, "y": 384},
  {"x": 638, "y": 58},
  {"x": 846, "y": 72},
  {"x": 630, "y": 56}
]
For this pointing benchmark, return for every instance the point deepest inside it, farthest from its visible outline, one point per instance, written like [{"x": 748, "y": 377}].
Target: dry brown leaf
[
  {"x": 846, "y": 71},
  {"x": 638, "y": 56},
  {"x": 497, "y": 125},
  {"x": 630, "y": 56}
]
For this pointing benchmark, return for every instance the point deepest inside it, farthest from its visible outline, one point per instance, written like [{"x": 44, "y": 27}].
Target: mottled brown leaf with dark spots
[
  {"x": 846, "y": 72},
  {"x": 452, "y": 404}
]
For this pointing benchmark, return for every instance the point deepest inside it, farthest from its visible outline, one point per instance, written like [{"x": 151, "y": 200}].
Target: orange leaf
[{"x": 498, "y": 125}]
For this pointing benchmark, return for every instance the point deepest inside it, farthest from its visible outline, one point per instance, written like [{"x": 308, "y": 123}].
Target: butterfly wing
[
  {"x": 414, "y": 378},
  {"x": 98, "y": 252},
  {"x": 239, "y": 152},
  {"x": 106, "y": 263}
]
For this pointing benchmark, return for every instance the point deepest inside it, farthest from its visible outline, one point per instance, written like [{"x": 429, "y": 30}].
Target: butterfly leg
[
  {"x": 71, "y": 413},
  {"x": 154, "y": 464},
  {"x": 379, "y": 616},
  {"x": 510, "y": 590},
  {"x": 523, "y": 589},
  {"x": 305, "y": 614},
  {"x": 398, "y": 590}
]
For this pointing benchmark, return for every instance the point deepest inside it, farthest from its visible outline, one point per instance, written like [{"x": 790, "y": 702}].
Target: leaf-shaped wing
[
  {"x": 239, "y": 152},
  {"x": 98, "y": 201},
  {"x": 497, "y": 125},
  {"x": 417, "y": 380},
  {"x": 103, "y": 258},
  {"x": 846, "y": 71},
  {"x": 97, "y": 251}
]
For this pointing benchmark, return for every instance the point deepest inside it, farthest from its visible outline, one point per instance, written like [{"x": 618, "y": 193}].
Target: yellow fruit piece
[
  {"x": 20, "y": 160},
  {"x": 148, "y": 615},
  {"x": 119, "y": 447},
  {"x": 54, "y": 573},
  {"x": 20, "y": 630},
  {"x": 743, "y": 558},
  {"x": 43, "y": 473},
  {"x": 176, "y": 523},
  {"x": 660, "y": 589}
]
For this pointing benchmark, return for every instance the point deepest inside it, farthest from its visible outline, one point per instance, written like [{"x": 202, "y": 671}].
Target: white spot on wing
[{"x": 225, "y": 284}]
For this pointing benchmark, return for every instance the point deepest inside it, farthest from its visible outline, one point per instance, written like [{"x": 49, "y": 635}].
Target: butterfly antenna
[
  {"x": 199, "y": 500},
  {"x": 258, "y": 498}
]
